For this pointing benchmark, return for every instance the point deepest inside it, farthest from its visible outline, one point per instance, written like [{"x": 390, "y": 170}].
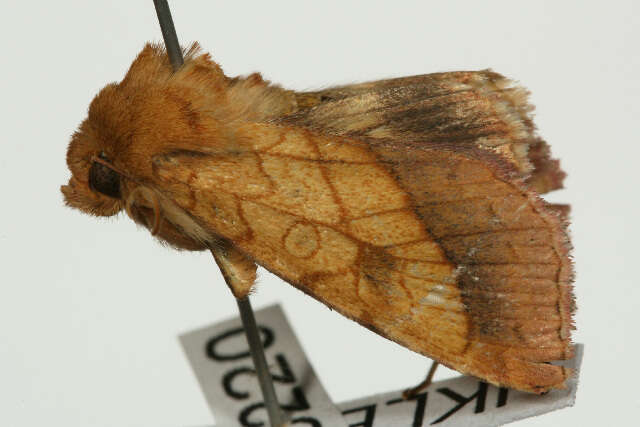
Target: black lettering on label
[
  {"x": 502, "y": 397},
  {"x": 227, "y": 382},
  {"x": 306, "y": 420},
  {"x": 421, "y": 405},
  {"x": 300, "y": 403},
  {"x": 369, "y": 414},
  {"x": 480, "y": 396},
  {"x": 213, "y": 352},
  {"x": 285, "y": 376}
]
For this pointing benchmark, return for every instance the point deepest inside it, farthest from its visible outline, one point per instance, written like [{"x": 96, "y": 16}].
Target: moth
[{"x": 410, "y": 205}]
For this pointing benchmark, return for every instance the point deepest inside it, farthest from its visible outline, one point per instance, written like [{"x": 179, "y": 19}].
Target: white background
[{"x": 90, "y": 309}]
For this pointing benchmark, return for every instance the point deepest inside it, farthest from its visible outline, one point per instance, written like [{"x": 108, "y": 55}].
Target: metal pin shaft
[
  {"x": 169, "y": 33},
  {"x": 276, "y": 416}
]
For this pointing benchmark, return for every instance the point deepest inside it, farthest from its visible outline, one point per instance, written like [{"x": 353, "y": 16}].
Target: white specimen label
[
  {"x": 219, "y": 355},
  {"x": 221, "y": 361}
]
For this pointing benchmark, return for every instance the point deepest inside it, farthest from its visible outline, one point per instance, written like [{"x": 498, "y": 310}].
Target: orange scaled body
[{"x": 409, "y": 205}]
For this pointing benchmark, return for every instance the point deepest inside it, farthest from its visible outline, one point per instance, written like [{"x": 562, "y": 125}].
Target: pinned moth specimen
[{"x": 410, "y": 205}]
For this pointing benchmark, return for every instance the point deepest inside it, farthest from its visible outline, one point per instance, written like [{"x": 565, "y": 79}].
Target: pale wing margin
[{"x": 467, "y": 108}]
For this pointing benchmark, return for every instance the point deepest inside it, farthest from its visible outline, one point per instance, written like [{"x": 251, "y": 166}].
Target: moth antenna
[
  {"x": 129, "y": 202},
  {"x": 156, "y": 207},
  {"x": 156, "y": 214}
]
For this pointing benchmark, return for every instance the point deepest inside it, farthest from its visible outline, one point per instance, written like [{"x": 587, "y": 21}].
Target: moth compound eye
[{"x": 104, "y": 180}]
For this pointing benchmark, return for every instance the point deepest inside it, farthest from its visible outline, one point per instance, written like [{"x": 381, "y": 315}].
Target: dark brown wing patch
[
  {"x": 463, "y": 147},
  {"x": 460, "y": 109}
]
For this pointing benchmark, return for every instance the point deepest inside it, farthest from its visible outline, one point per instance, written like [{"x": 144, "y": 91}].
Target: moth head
[
  {"x": 128, "y": 123},
  {"x": 95, "y": 187}
]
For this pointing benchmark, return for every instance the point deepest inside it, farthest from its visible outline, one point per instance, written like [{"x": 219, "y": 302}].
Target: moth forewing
[{"x": 407, "y": 205}]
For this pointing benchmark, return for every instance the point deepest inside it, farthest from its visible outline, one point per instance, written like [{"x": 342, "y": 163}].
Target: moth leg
[
  {"x": 411, "y": 392},
  {"x": 238, "y": 270}
]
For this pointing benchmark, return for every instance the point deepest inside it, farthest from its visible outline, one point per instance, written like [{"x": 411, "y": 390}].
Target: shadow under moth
[{"x": 409, "y": 205}]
